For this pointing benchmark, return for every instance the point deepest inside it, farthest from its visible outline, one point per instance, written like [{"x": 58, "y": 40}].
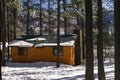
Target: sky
[{"x": 108, "y": 4}]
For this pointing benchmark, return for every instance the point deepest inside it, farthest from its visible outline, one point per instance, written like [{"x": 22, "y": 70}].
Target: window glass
[
  {"x": 22, "y": 51},
  {"x": 60, "y": 50}
]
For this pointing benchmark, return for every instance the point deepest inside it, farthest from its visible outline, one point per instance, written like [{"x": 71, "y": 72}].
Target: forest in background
[{"x": 29, "y": 17}]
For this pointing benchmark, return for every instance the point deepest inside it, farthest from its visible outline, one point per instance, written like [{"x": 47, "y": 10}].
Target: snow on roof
[
  {"x": 20, "y": 43},
  {"x": 36, "y": 39},
  {"x": 40, "y": 41},
  {"x": 69, "y": 43}
]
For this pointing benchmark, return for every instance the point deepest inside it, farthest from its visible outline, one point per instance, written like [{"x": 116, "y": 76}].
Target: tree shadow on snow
[
  {"x": 78, "y": 77},
  {"x": 33, "y": 64}
]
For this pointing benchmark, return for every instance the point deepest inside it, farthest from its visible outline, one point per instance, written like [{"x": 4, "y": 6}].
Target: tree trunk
[
  {"x": 8, "y": 31},
  {"x": 0, "y": 65},
  {"x": 101, "y": 74},
  {"x": 89, "y": 40},
  {"x": 3, "y": 33},
  {"x": 65, "y": 19},
  {"x": 83, "y": 37},
  {"x": 117, "y": 38},
  {"x": 40, "y": 17},
  {"x": 78, "y": 47},
  {"x": 49, "y": 15},
  {"x": 58, "y": 35},
  {"x": 14, "y": 17},
  {"x": 0, "y": 41},
  {"x": 28, "y": 14}
]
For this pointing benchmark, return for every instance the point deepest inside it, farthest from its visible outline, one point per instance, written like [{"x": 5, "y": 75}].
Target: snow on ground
[{"x": 48, "y": 71}]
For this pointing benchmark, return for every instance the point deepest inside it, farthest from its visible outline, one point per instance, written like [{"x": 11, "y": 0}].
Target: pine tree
[
  {"x": 40, "y": 17},
  {"x": 58, "y": 34},
  {"x": 89, "y": 40},
  {"x": 117, "y": 38},
  {"x": 0, "y": 41},
  {"x": 101, "y": 74},
  {"x": 3, "y": 32},
  {"x": 28, "y": 15}
]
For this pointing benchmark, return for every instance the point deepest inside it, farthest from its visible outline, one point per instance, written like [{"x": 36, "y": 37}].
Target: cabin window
[
  {"x": 60, "y": 51},
  {"x": 22, "y": 51}
]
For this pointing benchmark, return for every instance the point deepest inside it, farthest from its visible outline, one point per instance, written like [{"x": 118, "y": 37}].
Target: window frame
[
  {"x": 22, "y": 50},
  {"x": 60, "y": 51}
]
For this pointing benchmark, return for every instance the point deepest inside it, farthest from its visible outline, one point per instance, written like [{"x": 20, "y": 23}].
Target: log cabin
[{"x": 44, "y": 48}]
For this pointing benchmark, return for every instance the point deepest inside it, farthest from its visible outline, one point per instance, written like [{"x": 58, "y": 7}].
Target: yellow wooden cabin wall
[{"x": 43, "y": 54}]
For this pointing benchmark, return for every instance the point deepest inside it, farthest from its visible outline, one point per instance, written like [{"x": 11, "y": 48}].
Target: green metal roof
[{"x": 48, "y": 39}]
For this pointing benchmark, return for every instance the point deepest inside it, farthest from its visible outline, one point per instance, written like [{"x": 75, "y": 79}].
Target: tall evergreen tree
[
  {"x": 83, "y": 35},
  {"x": 28, "y": 15},
  {"x": 65, "y": 19},
  {"x": 8, "y": 31},
  {"x": 3, "y": 32},
  {"x": 40, "y": 17},
  {"x": 89, "y": 40},
  {"x": 117, "y": 38},
  {"x": 58, "y": 34},
  {"x": 101, "y": 74},
  {"x": 14, "y": 17},
  {"x": 0, "y": 41},
  {"x": 49, "y": 8}
]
